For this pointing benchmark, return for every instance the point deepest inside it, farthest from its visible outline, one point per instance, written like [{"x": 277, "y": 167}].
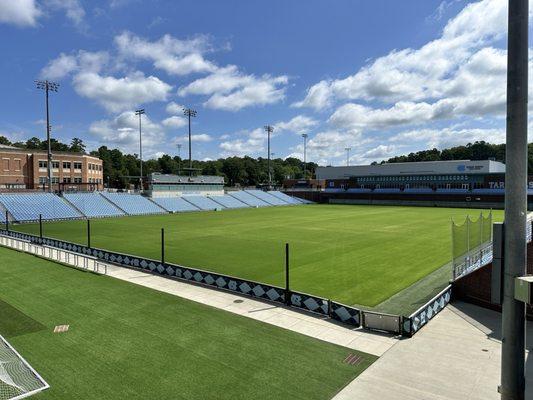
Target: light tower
[
  {"x": 304, "y": 135},
  {"x": 347, "y": 155},
  {"x": 47, "y": 86},
  {"x": 179, "y": 158},
  {"x": 140, "y": 112},
  {"x": 269, "y": 129},
  {"x": 190, "y": 113}
]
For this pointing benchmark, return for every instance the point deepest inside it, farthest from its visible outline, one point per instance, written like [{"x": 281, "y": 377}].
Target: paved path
[
  {"x": 455, "y": 357},
  {"x": 310, "y": 325}
]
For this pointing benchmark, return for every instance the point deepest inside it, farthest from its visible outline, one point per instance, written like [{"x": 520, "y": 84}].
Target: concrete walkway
[
  {"x": 455, "y": 357},
  {"x": 301, "y": 322}
]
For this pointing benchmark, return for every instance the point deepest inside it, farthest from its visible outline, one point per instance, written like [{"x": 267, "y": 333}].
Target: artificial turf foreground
[
  {"x": 130, "y": 342},
  {"x": 352, "y": 254}
]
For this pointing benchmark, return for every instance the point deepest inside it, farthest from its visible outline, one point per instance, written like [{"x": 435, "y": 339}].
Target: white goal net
[{"x": 18, "y": 379}]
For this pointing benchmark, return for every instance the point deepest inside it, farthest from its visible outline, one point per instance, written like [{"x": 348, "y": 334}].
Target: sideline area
[
  {"x": 307, "y": 324},
  {"x": 455, "y": 357}
]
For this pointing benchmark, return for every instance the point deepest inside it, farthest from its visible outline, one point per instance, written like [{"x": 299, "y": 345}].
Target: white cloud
[
  {"x": 172, "y": 55},
  {"x": 72, "y": 8},
  {"x": 231, "y": 90},
  {"x": 174, "y": 108},
  {"x": 199, "y": 138},
  {"x": 66, "y": 64},
  {"x": 118, "y": 94},
  {"x": 299, "y": 124},
  {"x": 174, "y": 122},
  {"x": 19, "y": 12},
  {"x": 448, "y": 137},
  {"x": 123, "y": 132},
  {"x": 253, "y": 142},
  {"x": 418, "y": 74}
]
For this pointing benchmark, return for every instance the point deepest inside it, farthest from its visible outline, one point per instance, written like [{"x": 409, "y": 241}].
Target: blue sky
[{"x": 382, "y": 77}]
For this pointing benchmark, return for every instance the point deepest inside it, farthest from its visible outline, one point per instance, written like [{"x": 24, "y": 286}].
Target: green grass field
[
  {"x": 130, "y": 342},
  {"x": 353, "y": 254}
]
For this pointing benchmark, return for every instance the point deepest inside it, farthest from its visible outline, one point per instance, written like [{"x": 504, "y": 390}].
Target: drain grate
[
  {"x": 353, "y": 359},
  {"x": 61, "y": 328}
]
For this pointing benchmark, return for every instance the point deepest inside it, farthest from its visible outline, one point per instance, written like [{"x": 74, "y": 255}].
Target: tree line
[{"x": 121, "y": 169}]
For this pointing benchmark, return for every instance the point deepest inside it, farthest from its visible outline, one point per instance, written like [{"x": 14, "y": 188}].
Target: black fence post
[
  {"x": 88, "y": 233},
  {"x": 287, "y": 281},
  {"x": 7, "y": 221},
  {"x": 41, "y": 226},
  {"x": 162, "y": 245}
]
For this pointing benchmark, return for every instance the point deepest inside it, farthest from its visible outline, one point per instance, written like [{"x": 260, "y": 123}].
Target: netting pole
[
  {"x": 7, "y": 222},
  {"x": 287, "y": 287},
  {"x": 453, "y": 248},
  {"x": 41, "y": 226},
  {"x": 88, "y": 233},
  {"x": 162, "y": 245},
  {"x": 468, "y": 235}
]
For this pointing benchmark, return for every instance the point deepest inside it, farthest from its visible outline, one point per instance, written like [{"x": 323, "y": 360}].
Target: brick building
[{"x": 27, "y": 169}]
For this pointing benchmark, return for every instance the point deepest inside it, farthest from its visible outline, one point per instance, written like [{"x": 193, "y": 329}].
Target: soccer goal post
[{"x": 18, "y": 379}]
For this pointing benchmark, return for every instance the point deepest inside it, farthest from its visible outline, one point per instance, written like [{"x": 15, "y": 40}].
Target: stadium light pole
[
  {"x": 515, "y": 251},
  {"x": 190, "y": 113},
  {"x": 347, "y": 155},
  {"x": 140, "y": 112},
  {"x": 269, "y": 129},
  {"x": 304, "y": 135},
  {"x": 48, "y": 86},
  {"x": 179, "y": 158}
]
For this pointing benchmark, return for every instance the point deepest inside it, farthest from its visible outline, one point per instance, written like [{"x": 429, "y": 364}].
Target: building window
[
  {"x": 66, "y": 164},
  {"x": 55, "y": 179},
  {"x": 77, "y": 180},
  {"x": 43, "y": 164},
  {"x": 42, "y": 180},
  {"x": 17, "y": 165},
  {"x": 5, "y": 164},
  {"x": 55, "y": 164},
  {"x": 66, "y": 180},
  {"x": 77, "y": 165}
]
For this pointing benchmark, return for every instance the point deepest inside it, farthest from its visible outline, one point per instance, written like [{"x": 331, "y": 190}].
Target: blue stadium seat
[
  {"x": 228, "y": 201},
  {"x": 285, "y": 197},
  {"x": 387, "y": 190},
  {"x": 247, "y": 198},
  {"x": 453, "y": 191},
  {"x": 133, "y": 204},
  {"x": 488, "y": 191},
  {"x": 202, "y": 202},
  {"x": 358, "y": 190},
  {"x": 28, "y": 207},
  {"x": 92, "y": 204},
  {"x": 418, "y": 190},
  {"x": 175, "y": 204},
  {"x": 267, "y": 198}
]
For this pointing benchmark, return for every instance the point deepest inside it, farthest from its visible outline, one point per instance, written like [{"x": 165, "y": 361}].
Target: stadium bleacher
[
  {"x": 175, "y": 204},
  {"x": 203, "y": 202},
  {"x": 418, "y": 190},
  {"x": 133, "y": 204},
  {"x": 358, "y": 190},
  {"x": 452, "y": 191},
  {"x": 28, "y": 207},
  {"x": 387, "y": 190},
  {"x": 93, "y": 204},
  {"x": 247, "y": 198},
  {"x": 267, "y": 198},
  {"x": 228, "y": 201},
  {"x": 285, "y": 197}
]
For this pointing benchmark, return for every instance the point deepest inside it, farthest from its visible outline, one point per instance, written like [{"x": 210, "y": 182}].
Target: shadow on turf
[{"x": 14, "y": 322}]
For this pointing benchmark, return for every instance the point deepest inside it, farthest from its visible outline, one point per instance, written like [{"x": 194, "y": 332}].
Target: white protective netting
[{"x": 17, "y": 378}]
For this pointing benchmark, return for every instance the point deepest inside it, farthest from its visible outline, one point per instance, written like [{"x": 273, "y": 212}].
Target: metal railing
[
  {"x": 483, "y": 255},
  {"x": 77, "y": 260}
]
